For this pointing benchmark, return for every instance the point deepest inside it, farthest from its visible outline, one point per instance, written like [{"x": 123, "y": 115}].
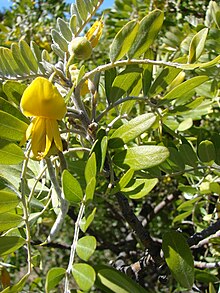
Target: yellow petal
[
  {"x": 49, "y": 136},
  {"x": 38, "y": 141},
  {"x": 42, "y": 99},
  {"x": 94, "y": 33},
  {"x": 53, "y": 134},
  {"x": 28, "y": 133}
]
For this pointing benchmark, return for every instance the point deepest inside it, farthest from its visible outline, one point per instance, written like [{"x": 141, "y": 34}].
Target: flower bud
[
  {"x": 95, "y": 32},
  {"x": 81, "y": 48}
]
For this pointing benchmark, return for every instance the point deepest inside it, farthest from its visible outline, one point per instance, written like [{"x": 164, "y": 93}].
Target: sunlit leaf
[
  {"x": 64, "y": 29},
  {"x": 86, "y": 222},
  {"x": 197, "y": 45},
  {"x": 123, "y": 40},
  {"x": 185, "y": 87},
  {"x": 11, "y": 127},
  {"x": 125, "y": 81},
  {"x": 9, "y": 220},
  {"x": 131, "y": 129},
  {"x": 71, "y": 188},
  {"x": 90, "y": 169},
  {"x": 84, "y": 275},
  {"x": 147, "y": 32},
  {"x": 54, "y": 276},
  {"x": 141, "y": 157},
  {"x": 8, "y": 201},
  {"x": 140, "y": 188},
  {"x": 28, "y": 56},
  {"x": 10, "y": 153},
  {"x": 86, "y": 247},
  {"x": 111, "y": 280}
]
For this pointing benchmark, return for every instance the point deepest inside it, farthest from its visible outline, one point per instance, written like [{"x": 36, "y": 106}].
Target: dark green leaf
[
  {"x": 216, "y": 141},
  {"x": 109, "y": 78},
  {"x": 147, "y": 72},
  {"x": 179, "y": 258},
  {"x": 9, "y": 244},
  {"x": 125, "y": 81},
  {"x": 188, "y": 155},
  {"x": 206, "y": 151}
]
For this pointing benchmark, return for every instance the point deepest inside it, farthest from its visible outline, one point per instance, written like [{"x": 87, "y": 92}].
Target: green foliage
[
  {"x": 179, "y": 258},
  {"x": 141, "y": 148}
]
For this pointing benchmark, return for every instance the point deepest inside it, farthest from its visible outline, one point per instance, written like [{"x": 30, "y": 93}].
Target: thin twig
[
  {"x": 26, "y": 210},
  {"x": 73, "y": 246},
  {"x": 63, "y": 203}
]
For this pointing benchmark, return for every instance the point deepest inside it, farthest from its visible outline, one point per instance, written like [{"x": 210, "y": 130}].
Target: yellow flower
[
  {"x": 42, "y": 100},
  {"x": 94, "y": 33}
]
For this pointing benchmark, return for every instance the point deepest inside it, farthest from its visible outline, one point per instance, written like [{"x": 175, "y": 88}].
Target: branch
[
  {"x": 197, "y": 237},
  {"x": 141, "y": 232}
]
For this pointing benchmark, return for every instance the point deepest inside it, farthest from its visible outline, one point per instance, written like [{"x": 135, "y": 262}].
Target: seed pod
[{"x": 81, "y": 48}]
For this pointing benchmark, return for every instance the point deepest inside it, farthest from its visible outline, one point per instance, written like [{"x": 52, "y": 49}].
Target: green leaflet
[
  {"x": 147, "y": 32},
  {"x": 81, "y": 7},
  {"x": 71, "y": 188},
  {"x": 9, "y": 220},
  {"x": 206, "y": 151},
  {"x": 124, "y": 82},
  {"x": 179, "y": 258},
  {"x": 84, "y": 275},
  {"x": 59, "y": 40},
  {"x": 9, "y": 244},
  {"x": 54, "y": 276},
  {"x": 140, "y": 188},
  {"x": 131, "y": 129},
  {"x": 141, "y": 157},
  {"x": 112, "y": 281},
  {"x": 8, "y": 201},
  {"x": 85, "y": 247},
  {"x": 28, "y": 56},
  {"x": 184, "y": 88},
  {"x": 123, "y": 40},
  {"x": 11, "y": 127},
  {"x": 197, "y": 45},
  {"x": 64, "y": 29}
]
